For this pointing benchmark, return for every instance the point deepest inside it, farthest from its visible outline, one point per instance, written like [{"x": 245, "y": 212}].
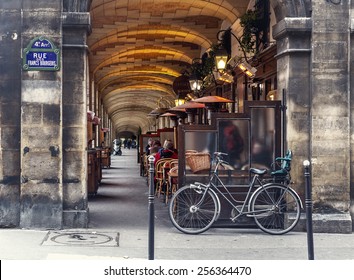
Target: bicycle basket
[{"x": 198, "y": 161}]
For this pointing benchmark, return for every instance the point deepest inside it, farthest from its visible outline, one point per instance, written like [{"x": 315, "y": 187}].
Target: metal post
[
  {"x": 151, "y": 208},
  {"x": 283, "y": 108},
  {"x": 308, "y": 203}
]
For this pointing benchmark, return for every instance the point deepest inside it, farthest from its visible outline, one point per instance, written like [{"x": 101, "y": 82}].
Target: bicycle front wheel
[
  {"x": 193, "y": 209},
  {"x": 276, "y": 209}
]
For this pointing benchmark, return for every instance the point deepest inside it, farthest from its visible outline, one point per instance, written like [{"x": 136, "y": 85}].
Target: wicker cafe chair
[
  {"x": 191, "y": 151},
  {"x": 145, "y": 161},
  {"x": 166, "y": 182},
  {"x": 172, "y": 179},
  {"x": 159, "y": 175}
]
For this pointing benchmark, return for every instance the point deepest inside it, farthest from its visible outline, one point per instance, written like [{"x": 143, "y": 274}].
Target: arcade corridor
[{"x": 122, "y": 197}]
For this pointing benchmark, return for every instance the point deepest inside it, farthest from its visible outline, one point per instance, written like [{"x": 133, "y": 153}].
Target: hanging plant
[
  {"x": 249, "y": 24},
  {"x": 204, "y": 66}
]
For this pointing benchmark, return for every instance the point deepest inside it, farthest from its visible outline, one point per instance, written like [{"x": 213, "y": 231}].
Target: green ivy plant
[{"x": 248, "y": 22}]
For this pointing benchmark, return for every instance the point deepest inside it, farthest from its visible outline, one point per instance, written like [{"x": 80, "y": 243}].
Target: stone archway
[
  {"x": 312, "y": 61},
  {"x": 300, "y": 23}
]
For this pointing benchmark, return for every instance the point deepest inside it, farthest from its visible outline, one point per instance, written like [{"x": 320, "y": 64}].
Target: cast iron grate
[{"x": 80, "y": 238}]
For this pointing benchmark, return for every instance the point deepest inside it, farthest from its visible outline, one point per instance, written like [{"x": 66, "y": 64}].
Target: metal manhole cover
[{"x": 81, "y": 239}]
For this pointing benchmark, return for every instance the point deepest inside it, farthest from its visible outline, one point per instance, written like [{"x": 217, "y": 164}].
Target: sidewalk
[{"x": 119, "y": 230}]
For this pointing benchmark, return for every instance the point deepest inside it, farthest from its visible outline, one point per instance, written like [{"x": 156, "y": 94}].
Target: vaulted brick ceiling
[{"x": 138, "y": 48}]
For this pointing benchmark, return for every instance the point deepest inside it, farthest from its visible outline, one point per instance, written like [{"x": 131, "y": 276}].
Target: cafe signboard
[{"x": 41, "y": 55}]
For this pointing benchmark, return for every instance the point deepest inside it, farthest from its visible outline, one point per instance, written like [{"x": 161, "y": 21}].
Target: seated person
[
  {"x": 167, "y": 151},
  {"x": 155, "y": 147},
  {"x": 148, "y": 146}
]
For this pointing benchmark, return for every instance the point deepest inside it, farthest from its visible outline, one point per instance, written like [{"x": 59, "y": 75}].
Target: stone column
[
  {"x": 351, "y": 67},
  {"x": 41, "y": 154},
  {"x": 313, "y": 69},
  {"x": 10, "y": 113},
  {"x": 330, "y": 116},
  {"x": 75, "y": 88},
  {"x": 294, "y": 64}
]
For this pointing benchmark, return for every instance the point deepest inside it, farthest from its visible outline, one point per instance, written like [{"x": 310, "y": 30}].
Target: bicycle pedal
[{"x": 233, "y": 214}]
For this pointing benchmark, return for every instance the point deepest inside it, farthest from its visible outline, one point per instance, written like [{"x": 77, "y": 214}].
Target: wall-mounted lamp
[
  {"x": 196, "y": 76},
  {"x": 181, "y": 87},
  {"x": 179, "y": 101},
  {"x": 221, "y": 59},
  {"x": 222, "y": 55},
  {"x": 195, "y": 83}
]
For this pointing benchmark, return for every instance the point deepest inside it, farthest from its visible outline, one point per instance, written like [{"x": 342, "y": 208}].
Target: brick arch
[{"x": 282, "y": 8}]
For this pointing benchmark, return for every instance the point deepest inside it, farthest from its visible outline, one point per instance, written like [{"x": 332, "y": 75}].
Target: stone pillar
[
  {"x": 294, "y": 64},
  {"x": 10, "y": 112},
  {"x": 351, "y": 67},
  {"x": 75, "y": 88},
  {"x": 313, "y": 69},
  {"x": 41, "y": 196},
  {"x": 330, "y": 116}
]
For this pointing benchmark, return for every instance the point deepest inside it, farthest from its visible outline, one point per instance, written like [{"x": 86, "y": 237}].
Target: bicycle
[{"x": 194, "y": 208}]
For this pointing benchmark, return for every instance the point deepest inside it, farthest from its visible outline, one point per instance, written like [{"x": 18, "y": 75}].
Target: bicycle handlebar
[{"x": 218, "y": 154}]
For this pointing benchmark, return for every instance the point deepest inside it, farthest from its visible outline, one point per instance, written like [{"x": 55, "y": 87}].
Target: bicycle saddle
[{"x": 258, "y": 171}]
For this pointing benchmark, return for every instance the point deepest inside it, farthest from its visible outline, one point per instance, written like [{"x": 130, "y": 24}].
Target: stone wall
[
  {"x": 41, "y": 124},
  {"x": 313, "y": 70},
  {"x": 10, "y": 112},
  {"x": 330, "y": 107},
  {"x": 351, "y": 85},
  {"x": 43, "y": 118},
  {"x": 75, "y": 77},
  {"x": 293, "y": 65}
]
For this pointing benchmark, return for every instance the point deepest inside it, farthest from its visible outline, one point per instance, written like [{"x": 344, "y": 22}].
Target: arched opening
[{"x": 136, "y": 53}]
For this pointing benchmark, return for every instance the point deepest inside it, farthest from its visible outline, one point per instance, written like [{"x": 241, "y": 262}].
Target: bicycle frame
[{"x": 211, "y": 186}]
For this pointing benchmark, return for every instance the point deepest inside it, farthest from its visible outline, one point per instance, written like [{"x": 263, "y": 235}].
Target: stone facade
[
  {"x": 313, "y": 52},
  {"x": 10, "y": 113},
  {"x": 76, "y": 26},
  {"x": 43, "y": 113},
  {"x": 43, "y": 119}
]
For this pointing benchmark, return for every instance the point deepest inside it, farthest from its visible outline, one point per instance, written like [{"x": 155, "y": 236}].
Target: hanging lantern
[{"x": 221, "y": 59}]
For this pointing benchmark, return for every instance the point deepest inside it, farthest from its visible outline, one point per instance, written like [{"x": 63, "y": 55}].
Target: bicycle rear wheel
[
  {"x": 276, "y": 209},
  {"x": 193, "y": 209}
]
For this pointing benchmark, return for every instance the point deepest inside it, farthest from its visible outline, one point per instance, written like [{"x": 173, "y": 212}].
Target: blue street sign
[{"x": 41, "y": 55}]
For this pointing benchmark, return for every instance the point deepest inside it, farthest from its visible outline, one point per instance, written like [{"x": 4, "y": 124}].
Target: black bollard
[
  {"x": 308, "y": 203},
  {"x": 151, "y": 208}
]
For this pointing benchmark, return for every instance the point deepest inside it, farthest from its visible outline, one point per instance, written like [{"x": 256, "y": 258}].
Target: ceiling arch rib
[
  {"x": 131, "y": 88},
  {"x": 169, "y": 72},
  {"x": 136, "y": 71},
  {"x": 117, "y": 10},
  {"x": 136, "y": 55},
  {"x": 138, "y": 48},
  {"x": 121, "y": 78},
  {"x": 164, "y": 34},
  {"x": 149, "y": 98},
  {"x": 122, "y": 121}
]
